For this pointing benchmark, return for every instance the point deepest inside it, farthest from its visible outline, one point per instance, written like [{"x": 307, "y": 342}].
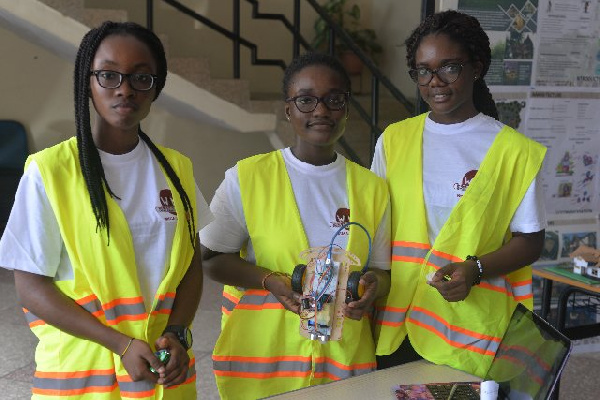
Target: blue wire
[{"x": 329, "y": 254}]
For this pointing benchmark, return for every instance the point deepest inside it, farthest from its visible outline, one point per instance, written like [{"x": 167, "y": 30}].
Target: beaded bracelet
[
  {"x": 127, "y": 347},
  {"x": 477, "y": 280}
]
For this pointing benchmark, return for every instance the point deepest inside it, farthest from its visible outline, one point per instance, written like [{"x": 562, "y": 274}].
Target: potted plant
[{"x": 348, "y": 18}]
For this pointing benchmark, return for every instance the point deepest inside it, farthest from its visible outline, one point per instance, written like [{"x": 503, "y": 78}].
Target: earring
[
  {"x": 287, "y": 116},
  {"x": 475, "y": 78}
]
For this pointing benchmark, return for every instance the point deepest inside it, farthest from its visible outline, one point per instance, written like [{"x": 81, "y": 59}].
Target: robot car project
[{"x": 326, "y": 284}]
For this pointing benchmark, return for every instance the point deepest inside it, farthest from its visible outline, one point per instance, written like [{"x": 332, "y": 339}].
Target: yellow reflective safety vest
[
  {"x": 105, "y": 284},
  {"x": 465, "y": 334},
  {"x": 260, "y": 351}
]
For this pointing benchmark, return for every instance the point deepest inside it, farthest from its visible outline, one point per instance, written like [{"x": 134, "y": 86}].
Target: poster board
[{"x": 545, "y": 79}]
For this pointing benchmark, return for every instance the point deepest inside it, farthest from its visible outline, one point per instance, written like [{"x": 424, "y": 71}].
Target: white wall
[{"x": 393, "y": 21}]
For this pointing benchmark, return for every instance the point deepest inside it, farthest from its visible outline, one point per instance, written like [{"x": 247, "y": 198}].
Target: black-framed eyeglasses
[
  {"x": 112, "y": 79},
  {"x": 307, "y": 103},
  {"x": 449, "y": 73}
]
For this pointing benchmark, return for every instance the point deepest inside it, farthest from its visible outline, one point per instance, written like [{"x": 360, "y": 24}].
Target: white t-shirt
[
  {"x": 32, "y": 242},
  {"x": 452, "y": 154},
  {"x": 320, "y": 193}
]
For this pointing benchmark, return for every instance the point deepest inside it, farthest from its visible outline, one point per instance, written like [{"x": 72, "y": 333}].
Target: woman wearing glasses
[
  {"x": 103, "y": 236},
  {"x": 271, "y": 207},
  {"x": 468, "y": 215}
]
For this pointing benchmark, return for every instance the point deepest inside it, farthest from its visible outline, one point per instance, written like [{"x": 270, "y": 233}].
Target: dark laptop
[{"x": 530, "y": 358}]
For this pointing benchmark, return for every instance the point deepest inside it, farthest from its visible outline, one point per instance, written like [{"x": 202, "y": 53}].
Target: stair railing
[{"x": 377, "y": 78}]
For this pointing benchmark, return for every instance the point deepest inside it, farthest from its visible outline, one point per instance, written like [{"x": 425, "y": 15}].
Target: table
[
  {"x": 378, "y": 384},
  {"x": 574, "y": 286}
]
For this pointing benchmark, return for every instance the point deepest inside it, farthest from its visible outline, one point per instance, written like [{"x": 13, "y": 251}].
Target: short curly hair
[{"x": 314, "y": 58}]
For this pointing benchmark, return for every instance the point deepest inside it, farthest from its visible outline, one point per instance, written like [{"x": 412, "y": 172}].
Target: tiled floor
[{"x": 17, "y": 345}]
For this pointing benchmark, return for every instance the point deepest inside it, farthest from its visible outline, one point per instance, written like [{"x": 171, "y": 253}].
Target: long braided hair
[
  {"x": 466, "y": 31},
  {"x": 89, "y": 158}
]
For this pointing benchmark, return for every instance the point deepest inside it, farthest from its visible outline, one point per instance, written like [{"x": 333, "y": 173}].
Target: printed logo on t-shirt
[
  {"x": 166, "y": 205},
  {"x": 466, "y": 180},
  {"x": 342, "y": 216}
]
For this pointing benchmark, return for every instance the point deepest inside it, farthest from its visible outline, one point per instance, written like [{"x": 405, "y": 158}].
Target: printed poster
[{"x": 569, "y": 44}]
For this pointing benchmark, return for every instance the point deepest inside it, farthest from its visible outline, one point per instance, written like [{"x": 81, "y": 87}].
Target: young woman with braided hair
[
  {"x": 467, "y": 210},
  {"x": 103, "y": 236}
]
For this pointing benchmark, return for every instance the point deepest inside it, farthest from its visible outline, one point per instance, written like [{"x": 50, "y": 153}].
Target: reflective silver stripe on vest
[
  {"x": 482, "y": 344},
  {"x": 259, "y": 367},
  {"x": 92, "y": 306},
  {"x": 390, "y": 316},
  {"x": 32, "y": 319},
  {"x": 411, "y": 252},
  {"x": 522, "y": 292},
  {"x": 165, "y": 304},
  {"x": 503, "y": 285},
  {"x": 122, "y": 312},
  {"x": 439, "y": 261},
  {"x": 228, "y": 305},
  {"x": 258, "y": 299},
  {"x": 519, "y": 357},
  {"x": 326, "y": 368},
  {"x": 94, "y": 382},
  {"x": 136, "y": 387}
]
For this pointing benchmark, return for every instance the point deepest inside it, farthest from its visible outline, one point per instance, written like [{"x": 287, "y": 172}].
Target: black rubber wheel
[
  {"x": 298, "y": 278},
  {"x": 353, "y": 289}
]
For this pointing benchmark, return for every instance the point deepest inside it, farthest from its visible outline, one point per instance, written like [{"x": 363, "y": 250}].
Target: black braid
[
  {"x": 466, "y": 31},
  {"x": 187, "y": 204},
  {"x": 89, "y": 158},
  {"x": 310, "y": 59},
  {"x": 483, "y": 100}
]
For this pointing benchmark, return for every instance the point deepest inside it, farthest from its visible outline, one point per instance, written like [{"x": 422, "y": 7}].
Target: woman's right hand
[
  {"x": 281, "y": 287},
  {"x": 137, "y": 361}
]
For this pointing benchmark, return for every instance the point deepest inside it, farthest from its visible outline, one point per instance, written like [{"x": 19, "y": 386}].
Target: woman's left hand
[
  {"x": 461, "y": 274},
  {"x": 356, "y": 309},
  {"x": 178, "y": 364}
]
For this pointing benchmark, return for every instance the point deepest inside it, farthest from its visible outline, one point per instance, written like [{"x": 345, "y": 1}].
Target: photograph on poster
[
  {"x": 551, "y": 246},
  {"x": 564, "y": 189},
  {"x": 572, "y": 240},
  {"x": 512, "y": 28},
  {"x": 563, "y": 237},
  {"x": 511, "y": 112}
]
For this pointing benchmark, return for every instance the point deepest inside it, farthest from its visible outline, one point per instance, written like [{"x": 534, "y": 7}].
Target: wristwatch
[{"x": 183, "y": 333}]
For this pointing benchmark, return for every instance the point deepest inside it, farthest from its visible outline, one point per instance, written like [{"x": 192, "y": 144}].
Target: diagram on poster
[{"x": 569, "y": 126}]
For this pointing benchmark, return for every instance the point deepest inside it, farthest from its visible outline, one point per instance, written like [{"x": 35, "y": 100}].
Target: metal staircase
[{"x": 367, "y": 119}]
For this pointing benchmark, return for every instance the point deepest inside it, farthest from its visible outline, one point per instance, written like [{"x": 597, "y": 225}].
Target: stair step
[
  {"x": 265, "y": 106},
  {"x": 236, "y": 91},
  {"x": 94, "y": 17},
  {"x": 193, "y": 69},
  {"x": 72, "y": 8}
]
